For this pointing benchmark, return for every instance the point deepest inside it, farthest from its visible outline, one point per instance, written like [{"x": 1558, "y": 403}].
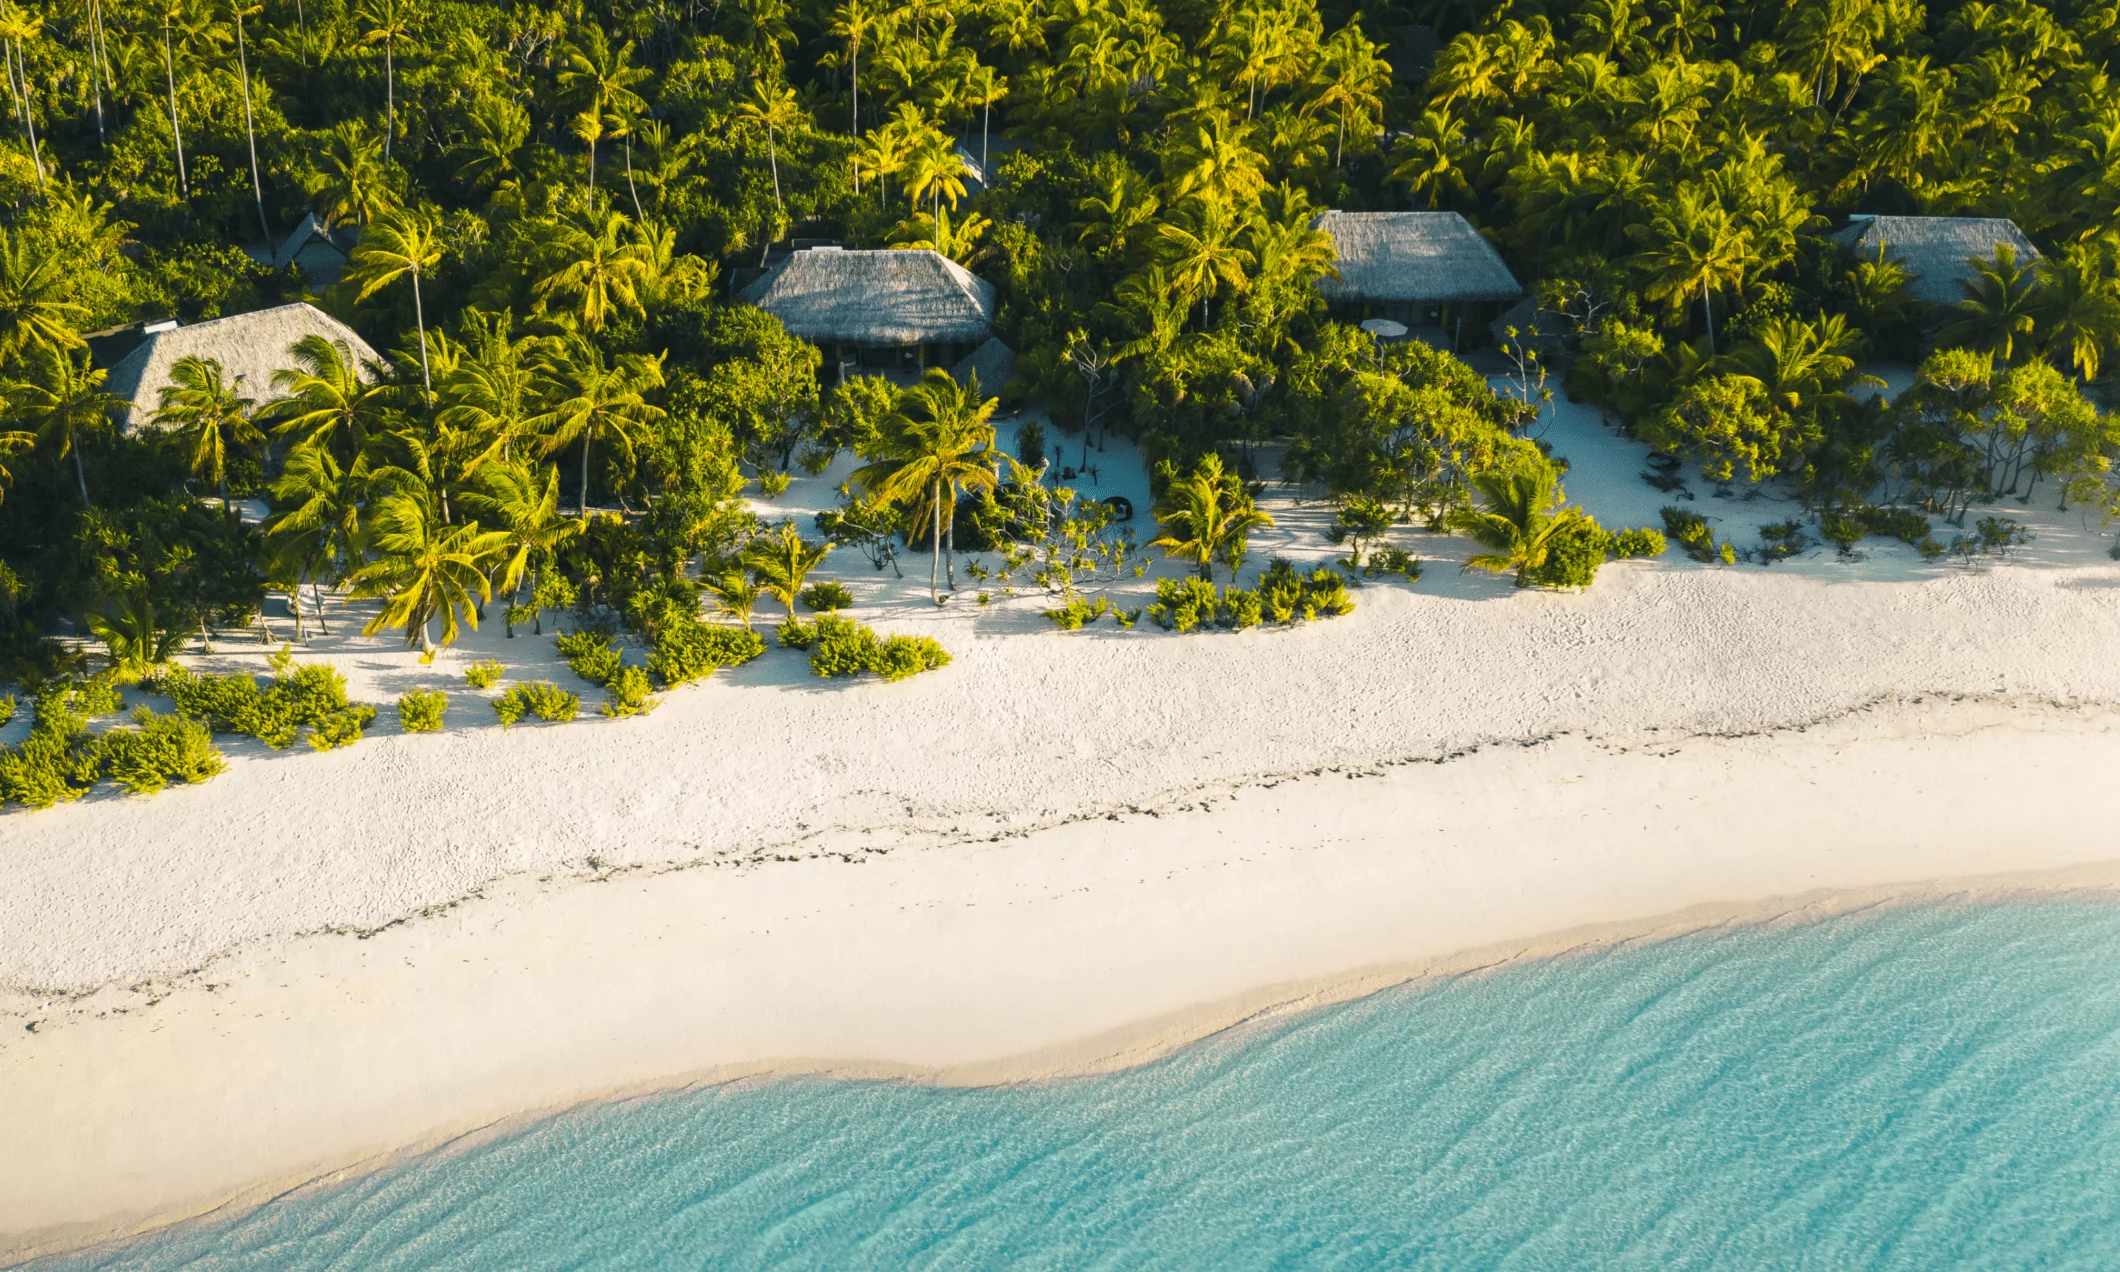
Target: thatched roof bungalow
[
  {"x": 1394, "y": 258},
  {"x": 900, "y": 304},
  {"x": 322, "y": 253},
  {"x": 1935, "y": 249},
  {"x": 249, "y": 347}
]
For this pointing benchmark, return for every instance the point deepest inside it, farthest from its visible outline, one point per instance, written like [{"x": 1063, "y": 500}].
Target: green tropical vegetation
[{"x": 553, "y": 205}]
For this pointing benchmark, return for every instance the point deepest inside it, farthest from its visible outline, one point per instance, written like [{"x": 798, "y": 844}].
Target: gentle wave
[{"x": 1930, "y": 1087}]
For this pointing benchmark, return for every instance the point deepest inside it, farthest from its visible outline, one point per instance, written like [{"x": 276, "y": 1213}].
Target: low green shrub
[
  {"x": 846, "y": 648},
  {"x": 420, "y": 711},
  {"x": 1325, "y": 594},
  {"x": 343, "y": 727},
  {"x": 796, "y": 634},
  {"x": 1071, "y": 616},
  {"x": 1392, "y": 560},
  {"x": 1781, "y": 541},
  {"x": 58, "y": 761},
  {"x": 687, "y": 649},
  {"x": 1183, "y": 604},
  {"x": 7, "y": 708},
  {"x": 1639, "y": 542},
  {"x": 826, "y": 597},
  {"x": 484, "y": 674},
  {"x": 773, "y": 483},
  {"x": 1573, "y": 555},
  {"x": 1691, "y": 531},
  {"x": 628, "y": 692},
  {"x": 540, "y": 698},
  {"x": 311, "y": 696},
  {"x": 160, "y": 750},
  {"x": 591, "y": 654}
]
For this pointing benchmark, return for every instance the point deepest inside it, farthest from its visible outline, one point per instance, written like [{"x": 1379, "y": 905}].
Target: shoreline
[{"x": 1083, "y": 947}]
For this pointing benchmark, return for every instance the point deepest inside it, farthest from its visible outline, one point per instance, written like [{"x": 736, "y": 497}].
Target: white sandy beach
[{"x": 1064, "y": 852}]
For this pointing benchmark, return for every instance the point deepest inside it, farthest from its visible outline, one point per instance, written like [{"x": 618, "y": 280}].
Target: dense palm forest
[{"x": 552, "y": 203}]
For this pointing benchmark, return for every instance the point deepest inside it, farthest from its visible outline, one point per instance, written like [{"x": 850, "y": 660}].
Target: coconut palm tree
[
  {"x": 495, "y": 128},
  {"x": 1204, "y": 515},
  {"x": 354, "y": 182},
  {"x": 321, "y": 505},
  {"x": 35, "y": 309},
  {"x": 515, "y": 501},
  {"x": 734, "y": 594},
  {"x": 63, "y": 402},
  {"x": 1692, "y": 248},
  {"x": 2083, "y": 306},
  {"x": 939, "y": 441},
  {"x": 593, "y": 268},
  {"x": 250, "y": 132},
  {"x": 851, "y": 23},
  {"x": 401, "y": 244},
  {"x": 771, "y": 110},
  {"x": 424, "y": 569},
  {"x": 137, "y": 643},
  {"x": 1354, "y": 81},
  {"x": 14, "y": 29},
  {"x": 385, "y": 21},
  {"x": 11, "y": 442},
  {"x": 781, "y": 561},
  {"x": 596, "y": 400},
  {"x": 1205, "y": 257},
  {"x": 1520, "y": 522},
  {"x": 210, "y": 415},
  {"x": 325, "y": 400},
  {"x": 600, "y": 79},
  {"x": 2001, "y": 308}
]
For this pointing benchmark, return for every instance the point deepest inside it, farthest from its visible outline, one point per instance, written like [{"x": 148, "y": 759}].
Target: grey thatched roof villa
[
  {"x": 1935, "y": 249},
  {"x": 885, "y": 309},
  {"x": 249, "y": 347},
  {"x": 1410, "y": 266}
]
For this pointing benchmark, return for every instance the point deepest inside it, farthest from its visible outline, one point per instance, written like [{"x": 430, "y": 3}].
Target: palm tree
[
  {"x": 983, "y": 88},
  {"x": 1431, "y": 151},
  {"x": 137, "y": 643},
  {"x": 63, "y": 402},
  {"x": 11, "y": 441},
  {"x": 491, "y": 395},
  {"x": 14, "y": 29},
  {"x": 526, "y": 510},
  {"x": 326, "y": 400},
  {"x": 322, "y": 504},
  {"x": 2083, "y": 303},
  {"x": 210, "y": 416},
  {"x": 1355, "y": 80},
  {"x": 1521, "y": 520},
  {"x": 35, "y": 311},
  {"x": 2000, "y": 306},
  {"x": 1205, "y": 515},
  {"x": 781, "y": 561},
  {"x": 424, "y": 569},
  {"x": 934, "y": 168},
  {"x": 495, "y": 129},
  {"x": 1204, "y": 258},
  {"x": 386, "y": 21},
  {"x": 938, "y": 442},
  {"x": 355, "y": 183},
  {"x": 401, "y": 244},
  {"x": 593, "y": 269},
  {"x": 597, "y": 400},
  {"x": 1217, "y": 160},
  {"x": 601, "y": 80},
  {"x": 852, "y": 21},
  {"x": 769, "y": 110},
  {"x": 736, "y": 595},
  {"x": 250, "y": 132},
  {"x": 1694, "y": 247}
]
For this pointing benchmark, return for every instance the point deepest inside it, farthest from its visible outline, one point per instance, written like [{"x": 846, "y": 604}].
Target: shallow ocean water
[{"x": 1926, "y": 1087}]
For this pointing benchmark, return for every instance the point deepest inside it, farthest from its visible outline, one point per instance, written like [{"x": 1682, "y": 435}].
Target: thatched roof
[
  {"x": 886, "y": 298},
  {"x": 1935, "y": 249},
  {"x": 1412, "y": 256},
  {"x": 992, "y": 362},
  {"x": 249, "y": 347}
]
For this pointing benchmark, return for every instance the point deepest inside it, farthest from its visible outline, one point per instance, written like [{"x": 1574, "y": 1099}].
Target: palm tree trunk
[
  {"x": 95, "y": 72},
  {"x": 986, "y": 128},
  {"x": 585, "y": 474},
  {"x": 419, "y": 316},
  {"x": 80, "y": 476},
  {"x": 29, "y": 123},
  {"x": 222, "y": 476},
  {"x": 631, "y": 189},
  {"x": 176, "y": 130},
  {"x": 949, "y": 551},
  {"x": 591, "y": 199},
  {"x": 773, "y": 158},
  {"x": 316, "y": 591},
  {"x": 250, "y": 134},
  {"x": 390, "y": 100},
  {"x": 935, "y": 563},
  {"x": 1707, "y": 300}
]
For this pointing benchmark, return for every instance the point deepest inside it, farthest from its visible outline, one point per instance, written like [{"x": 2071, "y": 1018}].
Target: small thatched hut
[
  {"x": 884, "y": 310},
  {"x": 1418, "y": 268},
  {"x": 249, "y": 347},
  {"x": 322, "y": 253},
  {"x": 1935, "y": 249}
]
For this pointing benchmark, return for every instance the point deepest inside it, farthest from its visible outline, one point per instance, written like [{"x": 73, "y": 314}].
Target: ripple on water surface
[{"x": 1917, "y": 1088}]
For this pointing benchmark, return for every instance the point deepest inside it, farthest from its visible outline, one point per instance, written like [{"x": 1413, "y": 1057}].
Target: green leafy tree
[
  {"x": 1520, "y": 520},
  {"x": 939, "y": 443},
  {"x": 424, "y": 569},
  {"x": 64, "y": 404},
  {"x": 1206, "y": 516},
  {"x": 782, "y": 561},
  {"x": 210, "y": 415}
]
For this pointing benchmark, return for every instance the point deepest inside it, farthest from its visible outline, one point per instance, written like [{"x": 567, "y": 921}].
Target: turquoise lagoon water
[{"x": 1915, "y": 1088}]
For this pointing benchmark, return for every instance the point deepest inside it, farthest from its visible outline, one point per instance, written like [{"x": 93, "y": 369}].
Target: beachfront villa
[
  {"x": 1936, "y": 250},
  {"x": 1421, "y": 269},
  {"x": 322, "y": 252},
  {"x": 879, "y": 310},
  {"x": 249, "y": 347}
]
